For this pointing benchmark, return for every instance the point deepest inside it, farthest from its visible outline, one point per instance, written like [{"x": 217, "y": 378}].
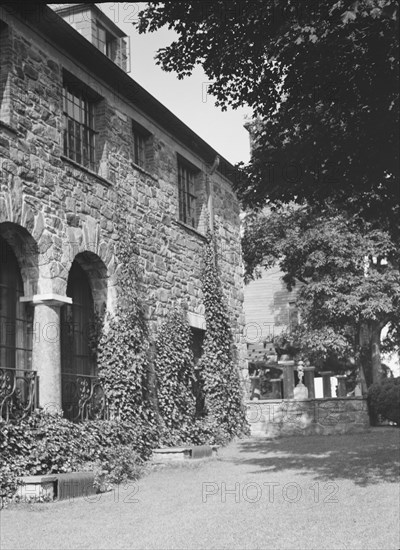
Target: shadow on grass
[{"x": 366, "y": 459}]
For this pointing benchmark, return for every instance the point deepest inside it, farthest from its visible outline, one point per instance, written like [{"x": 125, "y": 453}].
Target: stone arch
[
  {"x": 26, "y": 251},
  {"x": 96, "y": 254},
  {"x": 96, "y": 272}
]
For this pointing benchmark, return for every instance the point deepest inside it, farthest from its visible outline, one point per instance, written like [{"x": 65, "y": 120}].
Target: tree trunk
[{"x": 375, "y": 343}]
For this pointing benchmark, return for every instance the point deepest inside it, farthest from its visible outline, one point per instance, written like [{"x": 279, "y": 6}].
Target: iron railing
[
  {"x": 83, "y": 398},
  {"x": 18, "y": 393}
]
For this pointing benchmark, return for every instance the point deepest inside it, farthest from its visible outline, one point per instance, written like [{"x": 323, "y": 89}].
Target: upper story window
[
  {"x": 142, "y": 153},
  {"x": 139, "y": 148},
  {"x": 106, "y": 42},
  {"x": 5, "y": 70},
  {"x": 79, "y": 128},
  {"x": 100, "y": 30},
  {"x": 187, "y": 196}
]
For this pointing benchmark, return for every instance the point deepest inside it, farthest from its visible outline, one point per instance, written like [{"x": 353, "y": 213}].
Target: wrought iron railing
[
  {"x": 18, "y": 393},
  {"x": 83, "y": 398}
]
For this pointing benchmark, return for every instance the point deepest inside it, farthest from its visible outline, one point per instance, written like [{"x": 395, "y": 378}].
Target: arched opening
[
  {"x": 82, "y": 396},
  {"x": 17, "y": 382},
  {"x": 78, "y": 323},
  {"x": 15, "y": 316}
]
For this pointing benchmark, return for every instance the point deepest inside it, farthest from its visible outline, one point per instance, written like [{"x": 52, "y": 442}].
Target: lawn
[{"x": 333, "y": 492}]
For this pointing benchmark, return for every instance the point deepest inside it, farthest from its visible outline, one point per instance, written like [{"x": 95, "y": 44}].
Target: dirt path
[{"x": 337, "y": 492}]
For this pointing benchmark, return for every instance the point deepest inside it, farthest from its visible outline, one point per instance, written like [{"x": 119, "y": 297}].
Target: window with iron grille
[
  {"x": 79, "y": 132},
  {"x": 187, "y": 197}
]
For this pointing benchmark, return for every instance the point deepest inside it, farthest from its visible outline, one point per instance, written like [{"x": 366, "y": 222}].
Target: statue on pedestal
[{"x": 300, "y": 391}]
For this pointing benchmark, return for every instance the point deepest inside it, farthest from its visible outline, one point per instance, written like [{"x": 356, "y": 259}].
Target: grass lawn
[{"x": 334, "y": 492}]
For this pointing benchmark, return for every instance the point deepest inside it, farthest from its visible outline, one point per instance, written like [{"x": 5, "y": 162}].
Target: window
[
  {"x": 79, "y": 132},
  {"x": 139, "y": 147},
  {"x": 142, "y": 150},
  {"x": 5, "y": 65},
  {"x": 15, "y": 316},
  {"x": 78, "y": 360},
  {"x": 187, "y": 197},
  {"x": 197, "y": 341},
  {"x": 106, "y": 42}
]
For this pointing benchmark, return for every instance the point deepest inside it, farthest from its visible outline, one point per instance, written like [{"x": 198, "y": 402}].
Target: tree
[
  {"x": 351, "y": 280},
  {"x": 322, "y": 79}
]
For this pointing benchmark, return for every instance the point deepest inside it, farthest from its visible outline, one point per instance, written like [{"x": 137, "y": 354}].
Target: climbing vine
[
  {"x": 219, "y": 373},
  {"x": 174, "y": 368},
  {"x": 123, "y": 358}
]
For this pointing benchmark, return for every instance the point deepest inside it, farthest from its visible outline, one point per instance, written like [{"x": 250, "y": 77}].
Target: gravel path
[{"x": 336, "y": 492}]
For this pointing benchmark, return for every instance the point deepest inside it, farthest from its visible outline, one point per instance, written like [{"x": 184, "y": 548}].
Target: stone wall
[
  {"x": 274, "y": 418},
  {"x": 68, "y": 210},
  {"x": 53, "y": 210}
]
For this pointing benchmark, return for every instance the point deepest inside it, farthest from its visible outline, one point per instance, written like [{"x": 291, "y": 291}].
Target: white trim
[
  {"x": 196, "y": 320},
  {"x": 48, "y": 299}
]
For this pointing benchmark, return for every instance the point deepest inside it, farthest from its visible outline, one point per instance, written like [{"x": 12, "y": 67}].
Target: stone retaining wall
[{"x": 274, "y": 418}]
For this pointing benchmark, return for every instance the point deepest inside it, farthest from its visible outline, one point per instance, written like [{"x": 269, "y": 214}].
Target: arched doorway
[
  {"x": 82, "y": 396},
  {"x": 17, "y": 389},
  {"x": 78, "y": 323}
]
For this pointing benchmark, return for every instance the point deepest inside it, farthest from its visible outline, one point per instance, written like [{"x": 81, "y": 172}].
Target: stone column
[
  {"x": 46, "y": 347},
  {"x": 309, "y": 381},
  {"x": 341, "y": 388},
  {"x": 276, "y": 388},
  {"x": 326, "y": 383},
  {"x": 288, "y": 380}
]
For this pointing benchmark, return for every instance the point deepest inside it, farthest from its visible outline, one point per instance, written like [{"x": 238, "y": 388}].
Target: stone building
[{"x": 82, "y": 147}]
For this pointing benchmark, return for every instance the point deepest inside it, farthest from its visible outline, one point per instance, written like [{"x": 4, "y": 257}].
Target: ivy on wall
[
  {"x": 218, "y": 371},
  {"x": 123, "y": 350},
  {"x": 174, "y": 368}
]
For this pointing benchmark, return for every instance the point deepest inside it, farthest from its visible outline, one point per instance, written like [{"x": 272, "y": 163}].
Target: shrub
[
  {"x": 384, "y": 400},
  {"x": 120, "y": 464},
  {"x": 47, "y": 443}
]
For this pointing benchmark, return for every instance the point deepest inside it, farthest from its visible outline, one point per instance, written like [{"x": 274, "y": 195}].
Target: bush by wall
[
  {"x": 384, "y": 400},
  {"x": 48, "y": 443}
]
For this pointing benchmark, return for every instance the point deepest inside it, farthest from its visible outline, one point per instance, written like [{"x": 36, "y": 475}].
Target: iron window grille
[
  {"x": 79, "y": 132},
  {"x": 187, "y": 197}
]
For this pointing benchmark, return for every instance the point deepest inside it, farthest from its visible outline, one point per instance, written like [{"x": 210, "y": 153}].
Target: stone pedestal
[
  {"x": 276, "y": 388},
  {"x": 46, "y": 348},
  {"x": 341, "y": 388},
  {"x": 326, "y": 383},
  {"x": 255, "y": 393},
  {"x": 309, "y": 381},
  {"x": 300, "y": 392}
]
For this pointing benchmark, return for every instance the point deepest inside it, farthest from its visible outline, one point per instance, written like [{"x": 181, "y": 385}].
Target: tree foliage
[
  {"x": 322, "y": 79},
  {"x": 348, "y": 272}
]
